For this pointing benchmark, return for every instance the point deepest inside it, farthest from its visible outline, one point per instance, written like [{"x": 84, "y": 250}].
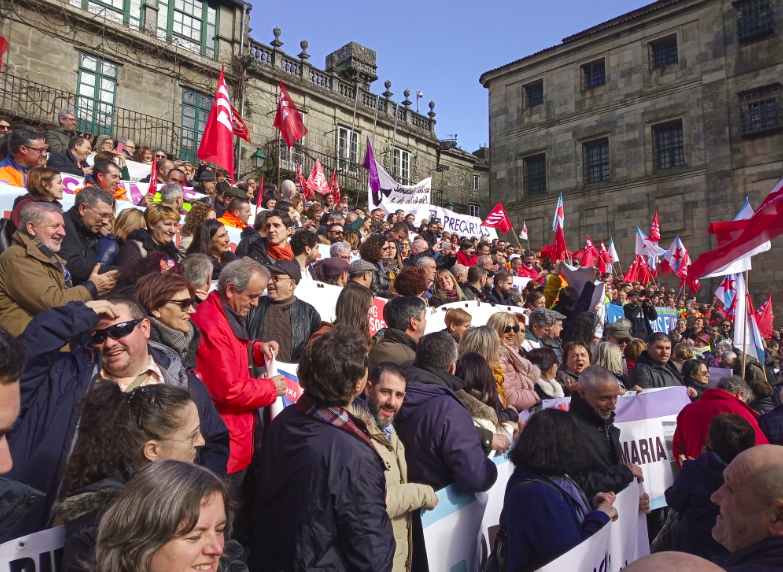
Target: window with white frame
[
  {"x": 347, "y": 149},
  {"x": 475, "y": 182},
  {"x": 474, "y": 210},
  {"x": 401, "y": 166}
]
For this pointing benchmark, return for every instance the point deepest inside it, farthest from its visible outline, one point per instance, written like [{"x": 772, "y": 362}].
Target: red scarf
[{"x": 280, "y": 252}]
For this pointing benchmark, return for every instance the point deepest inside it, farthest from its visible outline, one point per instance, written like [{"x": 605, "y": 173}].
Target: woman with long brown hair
[
  {"x": 354, "y": 308},
  {"x": 199, "y": 212}
]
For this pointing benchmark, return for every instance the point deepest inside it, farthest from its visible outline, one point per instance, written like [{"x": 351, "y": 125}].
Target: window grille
[
  {"x": 755, "y": 19},
  {"x": 669, "y": 147},
  {"x": 534, "y": 94},
  {"x": 596, "y": 157},
  {"x": 535, "y": 175},
  {"x": 664, "y": 52},
  {"x": 760, "y": 111},
  {"x": 594, "y": 74}
]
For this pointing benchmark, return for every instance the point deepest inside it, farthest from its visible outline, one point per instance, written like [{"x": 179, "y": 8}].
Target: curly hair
[
  {"x": 410, "y": 282},
  {"x": 198, "y": 214},
  {"x": 371, "y": 249}
]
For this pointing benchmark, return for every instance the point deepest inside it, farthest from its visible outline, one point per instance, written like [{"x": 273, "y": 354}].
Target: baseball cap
[
  {"x": 288, "y": 267},
  {"x": 359, "y": 267}
]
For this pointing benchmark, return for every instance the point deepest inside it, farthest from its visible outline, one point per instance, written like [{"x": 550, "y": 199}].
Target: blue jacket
[
  {"x": 690, "y": 496},
  {"x": 51, "y": 388},
  {"x": 764, "y": 556},
  {"x": 549, "y": 530},
  {"x": 772, "y": 425},
  {"x": 440, "y": 441}
]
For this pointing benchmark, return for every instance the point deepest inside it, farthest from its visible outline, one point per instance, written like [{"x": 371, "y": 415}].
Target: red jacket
[
  {"x": 695, "y": 418},
  {"x": 526, "y": 272},
  {"x": 223, "y": 364},
  {"x": 465, "y": 261}
]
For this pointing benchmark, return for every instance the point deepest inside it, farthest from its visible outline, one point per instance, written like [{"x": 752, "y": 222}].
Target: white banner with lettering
[{"x": 39, "y": 551}]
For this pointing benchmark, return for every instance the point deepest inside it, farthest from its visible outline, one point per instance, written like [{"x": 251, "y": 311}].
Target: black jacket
[
  {"x": 772, "y": 425},
  {"x": 443, "y": 261},
  {"x": 140, "y": 243},
  {"x": 380, "y": 285},
  {"x": 79, "y": 247},
  {"x": 631, "y": 311},
  {"x": 66, "y": 162},
  {"x": 471, "y": 293},
  {"x": 497, "y": 298},
  {"x": 321, "y": 500},
  {"x": 51, "y": 388},
  {"x": 608, "y": 472},
  {"x": 256, "y": 242},
  {"x": 305, "y": 321},
  {"x": 648, "y": 374},
  {"x": 16, "y": 500}
]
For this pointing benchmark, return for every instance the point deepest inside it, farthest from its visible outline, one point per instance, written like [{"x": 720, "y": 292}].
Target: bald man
[
  {"x": 750, "y": 523},
  {"x": 672, "y": 562}
]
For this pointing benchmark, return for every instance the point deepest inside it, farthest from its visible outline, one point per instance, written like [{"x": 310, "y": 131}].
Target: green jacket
[{"x": 57, "y": 139}]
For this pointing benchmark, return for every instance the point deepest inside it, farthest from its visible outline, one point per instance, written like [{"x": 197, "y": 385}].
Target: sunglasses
[
  {"x": 160, "y": 156},
  {"x": 183, "y": 304},
  {"x": 148, "y": 391},
  {"x": 5, "y": 128},
  {"x": 115, "y": 332},
  {"x": 510, "y": 329}
]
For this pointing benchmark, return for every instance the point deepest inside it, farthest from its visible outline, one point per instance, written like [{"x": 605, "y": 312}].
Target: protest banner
[
  {"x": 464, "y": 225},
  {"x": 136, "y": 170},
  {"x": 391, "y": 195},
  {"x": 666, "y": 322},
  {"x": 494, "y": 497},
  {"x": 479, "y": 311},
  {"x": 42, "y": 551}
]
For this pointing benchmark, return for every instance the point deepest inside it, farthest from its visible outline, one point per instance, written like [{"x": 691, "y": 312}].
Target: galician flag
[{"x": 613, "y": 252}]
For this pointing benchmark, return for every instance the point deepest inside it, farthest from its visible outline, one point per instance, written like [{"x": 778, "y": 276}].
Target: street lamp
[
  {"x": 258, "y": 159},
  {"x": 419, "y": 95}
]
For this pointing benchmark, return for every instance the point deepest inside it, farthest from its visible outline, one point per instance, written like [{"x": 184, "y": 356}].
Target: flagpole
[
  {"x": 519, "y": 244},
  {"x": 745, "y": 323},
  {"x": 375, "y": 120},
  {"x": 279, "y": 156},
  {"x": 353, "y": 124},
  {"x": 394, "y": 137}
]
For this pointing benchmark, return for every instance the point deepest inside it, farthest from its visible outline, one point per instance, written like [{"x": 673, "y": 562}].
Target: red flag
[
  {"x": 317, "y": 180},
  {"x": 288, "y": 120},
  {"x": 765, "y": 317},
  {"x": 604, "y": 255},
  {"x": 632, "y": 272},
  {"x": 655, "y": 231},
  {"x": 765, "y": 224},
  {"x": 217, "y": 143},
  {"x": 239, "y": 127},
  {"x": 308, "y": 192},
  {"x": 644, "y": 276},
  {"x": 3, "y": 49},
  {"x": 498, "y": 219},
  {"x": 153, "y": 188},
  {"x": 335, "y": 186}
]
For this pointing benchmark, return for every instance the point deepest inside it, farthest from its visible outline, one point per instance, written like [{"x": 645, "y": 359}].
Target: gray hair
[
  {"x": 541, "y": 317},
  {"x": 170, "y": 193},
  {"x": 483, "y": 340},
  {"x": 483, "y": 259},
  {"x": 198, "y": 269},
  {"x": 63, "y": 113},
  {"x": 735, "y": 385},
  {"x": 91, "y": 196},
  {"x": 726, "y": 347},
  {"x": 608, "y": 355},
  {"x": 459, "y": 269},
  {"x": 125, "y": 141},
  {"x": 287, "y": 189},
  {"x": 424, "y": 260},
  {"x": 514, "y": 295},
  {"x": 23, "y": 138},
  {"x": 239, "y": 272},
  {"x": 592, "y": 375},
  {"x": 729, "y": 355},
  {"x": 338, "y": 247},
  {"x": 437, "y": 350},
  {"x": 36, "y": 213},
  {"x": 334, "y": 216}
]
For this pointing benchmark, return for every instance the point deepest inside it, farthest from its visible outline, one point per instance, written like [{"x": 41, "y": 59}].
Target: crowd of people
[{"x": 135, "y": 396}]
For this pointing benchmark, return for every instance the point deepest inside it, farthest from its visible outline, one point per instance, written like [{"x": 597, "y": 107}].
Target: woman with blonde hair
[
  {"x": 162, "y": 222},
  {"x": 484, "y": 341},
  {"x": 446, "y": 289},
  {"x": 519, "y": 374},
  {"x": 609, "y": 355},
  {"x": 681, "y": 353},
  {"x": 457, "y": 321},
  {"x": 632, "y": 352}
]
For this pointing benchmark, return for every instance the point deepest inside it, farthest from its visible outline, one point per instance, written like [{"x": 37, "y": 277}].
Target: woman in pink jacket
[{"x": 520, "y": 375}]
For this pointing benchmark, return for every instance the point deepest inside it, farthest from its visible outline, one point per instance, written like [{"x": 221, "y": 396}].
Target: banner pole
[
  {"x": 745, "y": 332},
  {"x": 516, "y": 237},
  {"x": 279, "y": 156}
]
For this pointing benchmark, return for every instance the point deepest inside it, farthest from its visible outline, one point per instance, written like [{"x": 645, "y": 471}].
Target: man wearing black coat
[
  {"x": 654, "y": 369},
  {"x": 641, "y": 312},
  {"x": 55, "y": 381},
  {"x": 74, "y": 159}
]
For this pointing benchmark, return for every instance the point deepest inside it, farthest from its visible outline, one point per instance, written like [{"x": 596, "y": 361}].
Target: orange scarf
[
  {"x": 229, "y": 219},
  {"x": 280, "y": 252},
  {"x": 500, "y": 378}
]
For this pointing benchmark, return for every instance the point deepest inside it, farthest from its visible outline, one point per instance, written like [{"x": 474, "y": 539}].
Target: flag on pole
[
  {"x": 153, "y": 187},
  {"x": 588, "y": 256},
  {"x": 613, "y": 252},
  {"x": 3, "y": 49},
  {"x": 238, "y": 125},
  {"x": 676, "y": 259},
  {"x": 523, "y": 234},
  {"x": 755, "y": 338},
  {"x": 335, "y": 186},
  {"x": 727, "y": 290},
  {"x": 317, "y": 180},
  {"x": 217, "y": 142},
  {"x": 559, "y": 250},
  {"x": 765, "y": 317},
  {"x": 288, "y": 120},
  {"x": 498, "y": 219},
  {"x": 655, "y": 231},
  {"x": 308, "y": 192}
]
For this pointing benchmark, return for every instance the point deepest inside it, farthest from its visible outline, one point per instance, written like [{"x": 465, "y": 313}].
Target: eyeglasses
[
  {"x": 160, "y": 156},
  {"x": 337, "y": 232},
  {"x": 115, "y": 332},
  {"x": 188, "y": 440},
  {"x": 41, "y": 150},
  {"x": 387, "y": 248},
  {"x": 106, "y": 217},
  {"x": 5, "y": 128},
  {"x": 510, "y": 329},
  {"x": 148, "y": 391},
  {"x": 183, "y": 304},
  {"x": 279, "y": 277}
]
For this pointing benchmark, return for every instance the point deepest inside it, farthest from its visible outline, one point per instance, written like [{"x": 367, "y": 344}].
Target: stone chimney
[{"x": 354, "y": 63}]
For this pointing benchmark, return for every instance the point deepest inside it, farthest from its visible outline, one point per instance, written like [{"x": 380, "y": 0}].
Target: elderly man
[
  {"x": 460, "y": 273},
  {"x": 84, "y": 221},
  {"x": 33, "y": 278},
  {"x": 361, "y": 272},
  {"x": 332, "y": 271},
  {"x": 406, "y": 318},
  {"x": 730, "y": 396},
  {"x": 653, "y": 367},
  {"x": 429, "y": 268},
  {"x": 172, "y": 195},
  {"x": 26, "y": 150},
  {"x": 281, "y": 316},
  {"x": 198, "y": 271},
  {"x": 539, "y": 324},
  {"x": 128, "y": 148},
  {"x": 342, "y": 250},
  {"x": 750, "y": 524},
  {"x": 223, "y": 360},
  {"x": 377, "y": 216},
  {"x": 57, "y": 139},
  {"x": 74, "y": 159},
  {"x": 206, "y": 185},
  {"x": 322, "y": 496},
  {"x": 119, "y": 351},
  {"x": 272, "y": 247},
  {"x": 237, "y": 213}
]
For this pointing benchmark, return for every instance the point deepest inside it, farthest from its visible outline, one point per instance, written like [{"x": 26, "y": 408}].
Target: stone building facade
[
  {"x": 674, "y": 107},
  {"x": 147, "y": 70}
]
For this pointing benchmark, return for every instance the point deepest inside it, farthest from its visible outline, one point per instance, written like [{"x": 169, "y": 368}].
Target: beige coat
[
  {"x": 402, "y": 497},
  {"x": 30, "y": 283}
]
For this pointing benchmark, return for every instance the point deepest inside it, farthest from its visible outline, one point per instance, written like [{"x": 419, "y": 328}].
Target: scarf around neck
[
  {"x": 334, "y": 416},
  {"x": 280, "y": 252},
  {"x": 500, "y": 378},
  {"x": 176, "y": 340}
]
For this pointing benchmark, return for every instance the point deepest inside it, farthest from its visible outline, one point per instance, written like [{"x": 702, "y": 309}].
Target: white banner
[
  {"x": 40, "y": 551},
  {"x": 393, "y": 195},
  {"x": 464, "y": 225},
  {"x": 479, "y": 311},
  {"x": 137, "y": 171}
]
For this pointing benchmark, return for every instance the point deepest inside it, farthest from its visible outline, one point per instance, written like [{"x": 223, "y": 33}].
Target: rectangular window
[
  {"x": 474, "y": 210},
  {"x": 594, "y": 74},
  {"x": 760, "y": 110},
  {"x": 755, "y": 19},
  {"x": 476, "y": 182},
  {"x": 534, "y": 94},
  {"x": 190, "y": 24},
  {"x": 401, "y": 166},
  {"x": 535, "y": 175},
  {"x": 195, "y": 112},
  {"x": 664, "y": 52},
  {"x": 125, "y": 12},
  {"x": 668, "y": 145},
  {"x": 95, "y": 95},
  {"x": 596, "y": 157},
  {"x": 347, "y": 149}
]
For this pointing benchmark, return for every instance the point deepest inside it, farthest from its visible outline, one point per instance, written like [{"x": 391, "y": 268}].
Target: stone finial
[
  {"x": 304, "y": 56},
  {"x": 432, "y": 110},
  {"x": 407, "y": 94},
  {"x": 387, "y": 94},
  {"x": 276, "y": 43}
]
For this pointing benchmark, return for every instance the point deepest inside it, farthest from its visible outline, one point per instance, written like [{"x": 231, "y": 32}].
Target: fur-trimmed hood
[
  {"x": 476, "y": 408},
  {"x": 96, "y": 497},
  {"x": 551, "y": 388}
]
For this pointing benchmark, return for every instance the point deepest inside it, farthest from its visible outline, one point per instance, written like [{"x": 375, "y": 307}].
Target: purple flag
[{"x": 369, "y": 163}]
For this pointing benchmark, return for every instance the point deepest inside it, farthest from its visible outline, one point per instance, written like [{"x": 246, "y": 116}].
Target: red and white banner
[{"x": 217, "y": 143}]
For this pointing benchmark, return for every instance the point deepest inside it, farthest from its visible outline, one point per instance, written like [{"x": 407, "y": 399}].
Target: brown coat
[
  {"x": 402, "y": 497},
  {"x": 30, "y": 283}
]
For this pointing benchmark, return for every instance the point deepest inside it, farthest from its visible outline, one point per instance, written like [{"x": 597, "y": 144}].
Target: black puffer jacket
[
  {"x": 381, "y": 285},
  {"x": 608, "y": 472},
  {"x": 79, "y": 247},
  {"x": 16, "y": 500},
  {"x": 305, "y": 321},
  {"x": 253, "y": 245},
  {"x": 139, "y": 244},
  {"x": 772, "y": 425},
  {"x": 649, "y": 374}
]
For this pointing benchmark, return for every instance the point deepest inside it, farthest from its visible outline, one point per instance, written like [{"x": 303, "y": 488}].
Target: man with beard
[{"x": 384, "y": 394}]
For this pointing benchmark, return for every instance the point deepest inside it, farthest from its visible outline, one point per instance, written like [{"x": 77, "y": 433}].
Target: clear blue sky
[{"x": 437, "y": 46}]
